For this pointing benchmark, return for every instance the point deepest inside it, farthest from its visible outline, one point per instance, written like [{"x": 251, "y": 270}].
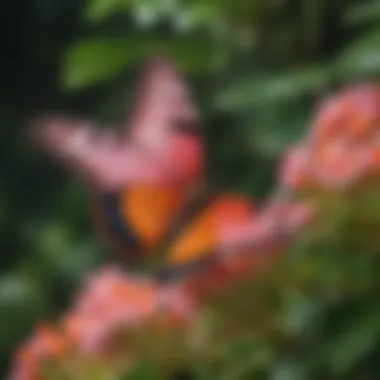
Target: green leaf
[
  {"x": 355, "y": 339},
  {"x": 21, "y": 303},
  {"x": 360, "y": 58},
  {"x": 303, "y": 315},
  {"x": 260, "y": 90},
  {"x": 143, "y": 371},
  {"x": 292, "y": 370},
  {"x": 248, "y": 363},
  {"x": 97, "y": 10},
  {"x": 272, "y": 128},
  {"x": 96, "y": 60},
  {"x": 366, "y": 12},
  {"x": 197, "y": 15}
]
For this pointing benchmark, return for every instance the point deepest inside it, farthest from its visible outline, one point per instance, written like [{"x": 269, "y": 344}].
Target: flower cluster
[
  {"x": 342, "y": 148},
  {"x": 46, "y": 345},
  {"x": 108, "y": 312}
]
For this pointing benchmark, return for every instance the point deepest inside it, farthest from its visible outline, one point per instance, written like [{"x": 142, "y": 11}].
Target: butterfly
[{"x": 148, "y": 180}]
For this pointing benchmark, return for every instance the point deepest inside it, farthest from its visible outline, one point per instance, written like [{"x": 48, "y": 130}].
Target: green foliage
[
  {"x": 22, "y": 301},
  {"x": 80, "y": 74},
  {"x": 83, "y": 66},
  {"x": 264, "y": 63}
]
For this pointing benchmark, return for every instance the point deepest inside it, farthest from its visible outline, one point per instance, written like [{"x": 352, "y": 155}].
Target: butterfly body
[{"x": 135, "y": 219}]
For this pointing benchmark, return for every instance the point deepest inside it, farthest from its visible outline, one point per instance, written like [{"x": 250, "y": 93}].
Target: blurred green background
[{"x": 256, "y": 68}]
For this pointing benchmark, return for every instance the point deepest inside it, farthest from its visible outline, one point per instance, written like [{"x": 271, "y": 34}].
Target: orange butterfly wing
[{"x": 203, "y": 235}]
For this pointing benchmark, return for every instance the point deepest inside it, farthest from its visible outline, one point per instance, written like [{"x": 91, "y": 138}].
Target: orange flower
[
  {"x": 112, "y": 290},
  {"x": 46, "y": 344},
  {"x": 113, "y": 302}
]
